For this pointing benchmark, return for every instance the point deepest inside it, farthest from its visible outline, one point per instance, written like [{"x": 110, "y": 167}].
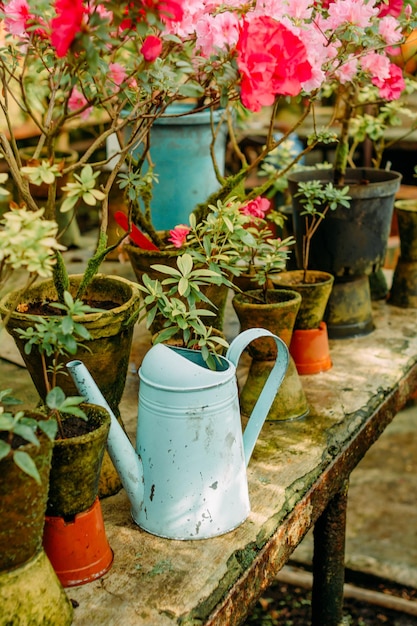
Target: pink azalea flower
[
  {"x": 117, "y": 73},
  {"x": 300, "y": 9},
  {"x": 77, "y": 101},
  {"x": 355, "y": 12},
  {"x": 390, "y": 30},
  {"x": 216, "y": 31},
  {"x": 257, "y": 207},
  {"x": 171, "y": 10},
  {"x": 104, "y": 13},
  {"x": 151, "y": 48},
  {"x": 66, "y": 24},
  {"x": 376, "y": 64},
  {"x": 392, "y": 87},
  {"x": 346, "y": 72},
  {"x": 178, "y": 235},
  {"x": 17, "y": 16},
  {"x": 272, "y": 61}
]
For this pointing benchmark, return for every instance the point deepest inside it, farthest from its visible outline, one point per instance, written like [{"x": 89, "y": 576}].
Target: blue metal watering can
[{"x": 187, "y": 478}]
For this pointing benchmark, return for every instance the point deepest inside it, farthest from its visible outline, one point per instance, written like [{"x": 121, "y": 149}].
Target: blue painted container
[{"x": 180, "y": 149}]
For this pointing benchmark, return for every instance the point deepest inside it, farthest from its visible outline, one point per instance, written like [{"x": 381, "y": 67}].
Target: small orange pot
[
  {"x": 78, "y": 550},
  {"x": 310, "y": 350}
]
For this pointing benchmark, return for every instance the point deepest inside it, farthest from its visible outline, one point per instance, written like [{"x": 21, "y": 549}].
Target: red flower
[
  {"x": 170, "y": 10},
  {"x": 272, "y": 61},
  {"x": 390, "y": 7},
  {"x": 166, "y": 10},
  {"x": 151, "y": 48},
  {"x": 66, "y": 24},
  {"x": 179, "y": 235}
]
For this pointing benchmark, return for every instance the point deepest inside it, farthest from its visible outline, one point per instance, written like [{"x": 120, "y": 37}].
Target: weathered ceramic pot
[
  {"x": 24, "y": 603},
  {"x": 23, "y": 505},
  {"x": 76, "y": 464},
  {"x": 277, "y": 316},
  {"x": 403, "y": 292},
  {"x": 314, "y": 292}
]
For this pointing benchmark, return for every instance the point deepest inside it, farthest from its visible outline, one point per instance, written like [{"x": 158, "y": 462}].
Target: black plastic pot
[{"x": 350, "y": 241}]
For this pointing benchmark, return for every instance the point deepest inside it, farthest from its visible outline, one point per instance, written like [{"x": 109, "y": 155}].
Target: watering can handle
[{"x": 268, "y": 393}]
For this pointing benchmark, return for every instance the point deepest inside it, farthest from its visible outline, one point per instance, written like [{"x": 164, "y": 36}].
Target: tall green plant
[{"x": 317, "y": 199}]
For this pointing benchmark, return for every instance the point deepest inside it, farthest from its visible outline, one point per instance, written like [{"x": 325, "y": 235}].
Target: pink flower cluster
[
  {"x": 256, "y": 208},
  {"x": 178, "y": 235},
  {"x": 282, "y": 47}
]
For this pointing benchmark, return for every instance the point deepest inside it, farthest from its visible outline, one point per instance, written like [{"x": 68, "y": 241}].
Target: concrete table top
[{"x": 296, "y": 469}]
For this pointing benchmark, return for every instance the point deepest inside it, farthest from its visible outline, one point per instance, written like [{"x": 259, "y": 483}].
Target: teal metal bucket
[{"x": 180, "y": 149}]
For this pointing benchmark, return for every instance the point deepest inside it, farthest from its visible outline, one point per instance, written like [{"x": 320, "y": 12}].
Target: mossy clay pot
[
  {"x": 31, "y": 595},
  {"x": 23, "y": 505},
  {"x": 76, "y": 465},
  {"x": 106, "y": 355},
  {"x": 314, "y": 291}
]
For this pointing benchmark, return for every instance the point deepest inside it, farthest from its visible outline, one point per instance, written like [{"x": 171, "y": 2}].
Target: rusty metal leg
[{"x": 329, "y": 562}]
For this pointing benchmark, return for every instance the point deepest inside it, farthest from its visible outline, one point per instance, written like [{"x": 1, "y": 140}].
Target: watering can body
[
  {"x": 187, "y": 478},
  {"x": 190, "y": 441}
]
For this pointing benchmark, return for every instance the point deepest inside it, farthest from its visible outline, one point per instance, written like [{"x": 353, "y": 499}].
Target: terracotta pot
[
  {"x": 310, "y": 350},
  {"x": 76, "y": 465},
  {"x": 106, "y": 355},
  {"x": 278, "y": 316},
  {"x": 23, "y": 505},
  {"x": 315, "y": 293},
  {"x": 78, "y": 549}
]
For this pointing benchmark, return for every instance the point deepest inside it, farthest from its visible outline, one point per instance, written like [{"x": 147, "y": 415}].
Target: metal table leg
[{"x": 329, "y": 562}]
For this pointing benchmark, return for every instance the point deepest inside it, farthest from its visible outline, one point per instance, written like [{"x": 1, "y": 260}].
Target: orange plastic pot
[
  {"x": 78, "y": 549},
  {"x": 310, "y": 350}
]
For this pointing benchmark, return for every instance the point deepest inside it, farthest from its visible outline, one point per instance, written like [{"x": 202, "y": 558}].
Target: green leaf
[
  {"x": 55, "y": 398},
  {"x": 68, "y": 204},
  {"x": 191, "y": 90},
  {"x": 4, "y": 449},
  {"x": 185, "y": 263},
  {"x": 27, "y": 465},
  {"x": 26, "y": 433},
  {"x": 183, "y": 286},
  {"x": 89, "y": 198},
  {"x": 49, "y": 427}
]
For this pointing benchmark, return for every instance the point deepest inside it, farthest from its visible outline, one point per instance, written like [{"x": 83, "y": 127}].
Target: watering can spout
[{"x": 125, "y": 459}]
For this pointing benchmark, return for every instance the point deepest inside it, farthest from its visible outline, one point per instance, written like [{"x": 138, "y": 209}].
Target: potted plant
[
  {"x": 234, "y": 239},
  {"x": 309, "y": 344},
  {"x": 26, "y": 441},
  {"x": 27, "y": 245},
  {"x": 78, "y": 449}
]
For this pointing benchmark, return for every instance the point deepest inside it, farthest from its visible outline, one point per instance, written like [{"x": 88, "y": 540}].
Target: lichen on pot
[{"x": 76, "y": 465}]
